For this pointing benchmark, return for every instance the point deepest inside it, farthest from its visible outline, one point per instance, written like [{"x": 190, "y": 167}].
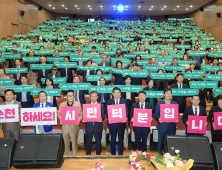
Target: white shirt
[
  {"x": 44, "y": 104},
  {"x": 37, "y": 126},
  {"x": 143, "y": 105},
  {"x": 198, "y": 110},
  {"x": 93, "y": 103},
  {"x": 179, "y": 85},
  {"x": 117, "y": 100},
  {"x": 53, "y": 76},
  {"x": 87, "y": 72},
  {"x": 104, "y": 64}
]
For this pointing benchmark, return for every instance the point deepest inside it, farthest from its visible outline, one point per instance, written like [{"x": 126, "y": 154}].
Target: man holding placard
[
  {"x": 215, "y": 118},
  {"x": 194, "y": 110},
  {"x": 70, "y": 118},
  {"x": 141, "y": 116},
  {"x": 91, "y": 112},
  {"x": 167, "y": 115},
  {"x": 117, "y": 113},
  {"x": 10, "y": 129}
]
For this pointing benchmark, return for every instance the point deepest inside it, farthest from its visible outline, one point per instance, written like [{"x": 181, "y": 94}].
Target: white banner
[
  {"x": 38, "y": 116},
  {"x": 9, "y": 113}
]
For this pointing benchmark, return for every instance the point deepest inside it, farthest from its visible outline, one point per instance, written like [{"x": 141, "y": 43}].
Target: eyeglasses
[
  {"x": 70, "y": 95},
  {"x": 54, "y": 69}
]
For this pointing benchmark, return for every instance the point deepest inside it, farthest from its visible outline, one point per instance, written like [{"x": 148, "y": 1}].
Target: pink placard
[
  {"x": 169, "y": 112},
  {"x": 91, "y": 112},
  {"x": 142, "y": 117},
  {"x": 69, "y": 115},
  {"x": 116, "y": 113},
  {"x": 218, "y": 120},
  {"x": 196, "y": 124}
]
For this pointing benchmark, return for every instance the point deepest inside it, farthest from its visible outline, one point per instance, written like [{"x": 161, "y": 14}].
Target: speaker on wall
[
  {"x": 192, "y": 147},
  {"x": 22, "y": 13},
  {"x": 201, "y": 9},
  {"x": 218, "y": 15},
  {"x": 39, "y": 151},
  {"x": 7, "y": 147},
  {"x": 40, "y": 8},
  {"x": 74, "y": 16},
  {"x": 166, "y": 16}
]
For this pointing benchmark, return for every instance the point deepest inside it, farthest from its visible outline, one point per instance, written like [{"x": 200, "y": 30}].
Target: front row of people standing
[{"x": 12, "y": 130}]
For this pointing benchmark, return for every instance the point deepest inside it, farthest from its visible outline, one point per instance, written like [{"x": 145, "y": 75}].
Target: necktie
[
  {"x": 195, "y": 111},
  {"x": 141, "y": 106},
  {"x": 180, "y": 86},
  {"x": 42, "y": 106},
  {"x": 17, "y": 76},
  {"x": 66, "y": 73},
  {"x": 76, "y": 95},
  {"x": 116, "y": 101},
  {"x": 43, "y": 71},
  {"x": 102, "y": 98}
]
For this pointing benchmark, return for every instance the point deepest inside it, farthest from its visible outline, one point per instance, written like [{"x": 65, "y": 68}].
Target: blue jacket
[
  {"x": 137, "y": 105},
  {"x": 45, "y": 127},
  {"x": 97, "y": 125},
  {"x": 163, "y": 126}
]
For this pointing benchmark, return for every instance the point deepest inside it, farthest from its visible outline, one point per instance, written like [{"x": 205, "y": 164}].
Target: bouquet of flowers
[
  {"x": 99, "y": 166},
  {"x": 136, "y": 157},
  {"x": 168, "y": 162}
]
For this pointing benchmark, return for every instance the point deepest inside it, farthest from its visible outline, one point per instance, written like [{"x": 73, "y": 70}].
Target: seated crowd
[{"x": 150, "y": 56}]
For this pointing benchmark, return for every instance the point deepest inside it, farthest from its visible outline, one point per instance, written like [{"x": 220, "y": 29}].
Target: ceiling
[{"x": 105, "y": 7}]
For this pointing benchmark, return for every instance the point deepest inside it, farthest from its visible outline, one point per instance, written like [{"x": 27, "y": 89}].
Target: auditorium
[{"x": 111, "y": 85}]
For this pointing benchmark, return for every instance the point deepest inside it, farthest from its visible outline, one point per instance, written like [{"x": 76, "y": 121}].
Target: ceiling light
[
  {"x": 191, "y": 6},
  {"x": 164, "y": 6},
  {"x": 178, "y": 6},
  {"x": 151, "y": 6},
  {"x": 139, "y": 6},
  {"x": 126, "y": 6},
  {"x": 53, "y": 7},
  {"x": 62, "y": 5},
  {"x": 77, "y": 8},
  {"x": 114, "y": 6},
  {"x": 187, "y": 9},
  {"x": 114, "y": 9},
  {"x": 66, "y": 8},
  {"x": 162, "y": 9},
  {"x": 186, "y": 1},
  {"x": 174, "y": 9},
  {"x": 101, "y": 6},
  {"x": 75, "y": 5},
  {"x": 120, "y": 8},
  {"x": 126, "y": 9},
  {"x": 88, "y": 6},
  {"x": 150, "y": 9},
  {"x": 49, "y": 4}
]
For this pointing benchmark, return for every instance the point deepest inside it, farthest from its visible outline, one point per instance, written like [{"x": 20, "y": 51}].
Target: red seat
[
  {"x": 188, "y": 102},
  {"x": 9, "y": 75},
  {"x": 136, "y": 99},
  {"x": 105, "y": 123},
  {"x": 1, "y": 100},
  {"x": 87, "y": 99},
  {"x": 159, "y": 99},
  {"x": 60, "y": 100}
]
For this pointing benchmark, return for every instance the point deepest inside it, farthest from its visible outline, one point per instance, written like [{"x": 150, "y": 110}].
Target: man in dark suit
[
  {"x": 67, "y": 72},
  {"x": 18, "y": 64},
  {"x": 104, "y": 63},
  {"x": 194, "y": 110},
  {"x": 94, "y": 128},
  {"x": 141, "y": 132},
  {"x": 164, "y": 128},
  {"x": 136, "y": 80},
  {"x": 55, "y": 73},
  {"x": 25, "y": 98},
  {"x": 42, "y": 73},
  {"x": 181, "y": 100},
  {"x": 117, "y": 127},
  {"x": 85, "y": 73},
  {"x": 11, "y": 129},
  {"x": 79, "y": 95},
  {"x": 80, "y": 63}
]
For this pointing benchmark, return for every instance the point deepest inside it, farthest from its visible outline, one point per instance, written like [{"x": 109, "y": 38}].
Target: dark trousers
[
  {"x": 89, "y": 137},
  {"x": 216, "y": 137},
  {"x": 113, "y": 133},
  {"x": 12, "y": 134},
  {"x": 138, "y": 136},
  {"x": 25, "y": 105},
  {"x": 162, "y": 135}
]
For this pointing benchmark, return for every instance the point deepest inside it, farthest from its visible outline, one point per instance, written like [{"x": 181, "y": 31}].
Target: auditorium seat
[
  {"x": 1, "y": 100},
  {"x": 188, "y": 102},
  {"x": 60, "y": 100},
  {"x": 9, "y": 75},
  {"x": 87, "y": 99}
]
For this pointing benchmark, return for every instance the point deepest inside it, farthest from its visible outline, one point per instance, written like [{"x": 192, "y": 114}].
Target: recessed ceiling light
[
  {"x": 126, "y": 6},
  {"x": 178, "y": 6},
  {"x": 53, "y": 7},
  {"x": 187, "y": 9},
  {"x": 174, "y": 9},
  {"x": 150, "y": 9},
  {"x": 191, "y": 6},
  {"x": 186, "y": 1},
  {"x": 162, "y": 9},
  {"x": 114, "y": 6},
  {"x": 139, "y": 6},
  {"x": 77, "y": 8},
  {"x": 101, "y": 6},
  {"x": 126, "y": 9},
  {"x": 49, "y": 4},
  {"x": 62, "y": 5},
  {"x": 66, "y": 8},
  {"x": 165, "y": 6},
  {"x": 151, "y": 6},
  {"x": 75, "y": 5},
  {"x": 88, "y": 6},
  {"x": 114, "y": 9}
]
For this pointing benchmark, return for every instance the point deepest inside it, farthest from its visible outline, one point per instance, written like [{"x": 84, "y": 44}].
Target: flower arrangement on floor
[
  {"x": 136, "y": 157},
  {"x": 99, "y": 166},
  {"x": 169, "y": 162}
]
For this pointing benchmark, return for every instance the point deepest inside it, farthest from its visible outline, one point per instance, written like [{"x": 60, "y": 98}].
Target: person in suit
[
  {"x": 54, "y": 74},
  {"x": 80, "y": 63},
  {"x": 194, "y": 110},
  {"x": 67, "y": 72},
  {"x": 117, "y": 127},
  {"x": 84, "y": 73},
  {"x": 136, "y": 80},
  {"x": 160, "y": 84},
  {"x": 42, "y": 129},
  {"x": 11, "y": 129},
  {"x": 94, "y": 128},
  {"x": 215, "y": 133},
  {"x": 129, "y": 96},
  {"x": 181, "y": 100},
  {"x": 164, "y": 128},
  {"x": 118, "y": 77},
  {"x": 42, "y": 73},
  {"x": 79, "y": 95},
  {"x": 31, "y": 73},
  {"x": 2, "y": 88},
  {"x": 152, "y": 101},
  {"x": 49, "y": 85},
  {"x": 18, "y": 64},
  {"x": 96, "y": 83},
  {"x": 104, "y": 63},
  {"x": 141, "y": 132},
  {"x": 72, "y": 130},
  {"x": 25, "y": 98},
  {"x": 153, "y": 63}
]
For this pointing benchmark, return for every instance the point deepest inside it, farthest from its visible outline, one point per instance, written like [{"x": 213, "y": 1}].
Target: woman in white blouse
[{"x": 49, "y": 85}]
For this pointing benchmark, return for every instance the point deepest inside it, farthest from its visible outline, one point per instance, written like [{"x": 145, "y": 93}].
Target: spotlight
[{"x": 120, "y": 8}]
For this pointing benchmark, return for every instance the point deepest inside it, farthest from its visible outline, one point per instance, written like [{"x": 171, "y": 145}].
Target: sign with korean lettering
[
  {"x": 9, "y": 113},
  {"x": 69, "y": 115},
  {"x": 169, "y": 112},
  {"x": 91, "y": 112},
  {"x": 218, "y": 120},
  {"x": 142, "y": 117},
  {"x": 116, "y": 113},
  {"x": 38, "y": 116},
  {"x": 196, "y": 124}
]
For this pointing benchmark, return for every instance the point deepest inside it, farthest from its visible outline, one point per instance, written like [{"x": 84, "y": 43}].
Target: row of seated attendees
[{"x": 118, "y": 53}]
